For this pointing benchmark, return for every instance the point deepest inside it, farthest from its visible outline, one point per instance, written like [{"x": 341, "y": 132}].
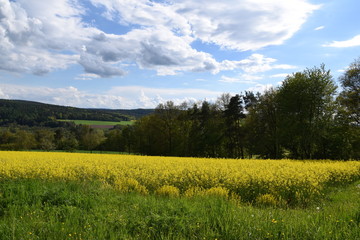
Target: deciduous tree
[{"x": 306, "y": 108}]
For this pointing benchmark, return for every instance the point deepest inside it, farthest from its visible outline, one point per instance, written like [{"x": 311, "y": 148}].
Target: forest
[
  {"x": 39, "y": 114},
  {"x": 306, "y": 117}
]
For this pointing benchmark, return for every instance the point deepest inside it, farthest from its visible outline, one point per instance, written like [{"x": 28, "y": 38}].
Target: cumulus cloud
[
  {"x": 145, "y": 13},
  {"x": 160, "y": 49},
  {"x": 128, "y": 97},
  {"x": 94, "y": 65},
  {"x": 242, "y": 25},
  {"x": 254, "y": 63},
  {"x": 3, "y": 95},
  {"x": 68, "y": 96},
  {"x": 86, "y": 76},
  {"x": 154, "y": 96},
  {"x": 353, "y": 42},
  {"x": 244, "y": 78},
  {"x": 245, "y": 25},
  {"x": 33, "y": 33},
  {"x": 41, "y": 36}
]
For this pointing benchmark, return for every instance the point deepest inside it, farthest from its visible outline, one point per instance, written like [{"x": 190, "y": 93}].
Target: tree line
[{"x": 304, "y": 118}]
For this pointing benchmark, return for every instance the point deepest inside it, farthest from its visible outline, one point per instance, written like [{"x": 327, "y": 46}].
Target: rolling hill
[{"x": 40, "y": 114}]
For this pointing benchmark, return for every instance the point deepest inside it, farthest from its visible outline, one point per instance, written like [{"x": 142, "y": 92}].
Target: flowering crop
[{"x": 270, "y": 181}]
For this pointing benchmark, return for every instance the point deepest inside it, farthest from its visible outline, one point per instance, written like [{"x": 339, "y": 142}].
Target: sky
[{"x": 127, "y": 54}]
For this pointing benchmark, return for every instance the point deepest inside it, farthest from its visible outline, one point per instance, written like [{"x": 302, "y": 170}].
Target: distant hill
[{"x": 40, "y": 114}]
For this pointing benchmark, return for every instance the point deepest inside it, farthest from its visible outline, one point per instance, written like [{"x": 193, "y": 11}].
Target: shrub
[
  {"x": 266, "y": 200},
  {"x": 130, "y": 185},
  {"x": 168, "y": 191},
  {"x": 194, "y": 191},
  {"x": 217, "y": 191}
]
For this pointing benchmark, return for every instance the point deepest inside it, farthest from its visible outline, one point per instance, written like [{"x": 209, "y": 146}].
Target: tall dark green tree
[
  {"x": 211, "y": 130},
  {"x": 350, "y": 96},
  {"x": 234, "y": 114},
  {"x": 129, "y": 139},
  {"x": 349, "y": 113},
  {"x": 45, "y": 139},
  {"x": 24, "y": 140},
  {"x": 90, "y": 138},
  {"x": 65, "y": 139},
  {"x": 262, "y": 126},
  {"x": 167, "y": 115},
  {"x": 150, "y": 136},
  {"x": 113, "y": 141},
  {"x": 195, "y": 138},
  {"x": 7, "y": 139},
  {"x": 306, "y": 109}
]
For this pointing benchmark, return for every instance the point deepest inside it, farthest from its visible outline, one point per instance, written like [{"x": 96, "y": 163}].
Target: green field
[
  {"x": 58, "y": 209},
  {"x": 98, "y": 123},
  {"x": 90, "y": 196}
]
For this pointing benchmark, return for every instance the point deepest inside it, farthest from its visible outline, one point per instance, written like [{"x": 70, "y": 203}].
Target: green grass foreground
[{"x": 37, "y": 209}]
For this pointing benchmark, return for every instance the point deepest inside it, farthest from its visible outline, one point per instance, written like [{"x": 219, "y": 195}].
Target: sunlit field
[
  {"x": 269, "y": 182},
  {"x": 97, "y": 123},
  {"x": 102, "y": 196}
]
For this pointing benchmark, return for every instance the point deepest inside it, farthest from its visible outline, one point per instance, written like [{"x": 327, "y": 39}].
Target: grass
[
  {"x": 83, "y": 151},
  {"x": 98, "y": 123},
  {"x": 38, "y": 209}
]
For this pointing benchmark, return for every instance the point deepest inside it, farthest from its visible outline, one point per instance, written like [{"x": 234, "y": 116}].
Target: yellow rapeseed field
[{"x": 264, "y": 181}]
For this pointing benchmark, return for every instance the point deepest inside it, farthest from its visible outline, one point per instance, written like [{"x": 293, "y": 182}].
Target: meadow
[
  {"x": 98, "y": 123},
  {"x": 100, "y": 196}
]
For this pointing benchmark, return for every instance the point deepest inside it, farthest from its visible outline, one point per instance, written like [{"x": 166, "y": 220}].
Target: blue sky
[{"x": 139, "y": 53}]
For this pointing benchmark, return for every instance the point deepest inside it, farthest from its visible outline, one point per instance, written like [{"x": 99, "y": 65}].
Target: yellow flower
[{"x": 174, "y": 176}]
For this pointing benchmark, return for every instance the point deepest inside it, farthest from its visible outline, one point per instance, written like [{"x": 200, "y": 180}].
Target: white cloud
[
  {"x": 261, "y": 88},
  {"x": 226, "y": 79},
  {"x": 162, "y": 50},
  {"x": 280, "y": 75},
  {"x": 34, "y": 34},
  {"x": 69, "y": 96},
  {"x": 244, "y": 25},
  {"x": 42, "y": 36},
  {"x": 128, "y": 97},
  {"x": 178, "y": 95},
  {"x": 244, "y": 78},
  {"x": 96, "y": 66},
  {"x": 254, "y": 64},
  {"x": 144, "y": 13},
  {"x": 319, "y": 28},
  {"x": 86, "y": 76},
  {"x": 3, "y": 95},
  {"x": 353, "y": 42},
  {"x": 165, "y": 52}
]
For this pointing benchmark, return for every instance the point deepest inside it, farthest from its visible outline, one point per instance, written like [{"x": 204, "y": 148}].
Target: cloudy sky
[{"x": 138, "y": 53}]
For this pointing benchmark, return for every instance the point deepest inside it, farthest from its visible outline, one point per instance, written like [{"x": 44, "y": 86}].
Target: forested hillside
[{"x": 39, "y": 114}]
